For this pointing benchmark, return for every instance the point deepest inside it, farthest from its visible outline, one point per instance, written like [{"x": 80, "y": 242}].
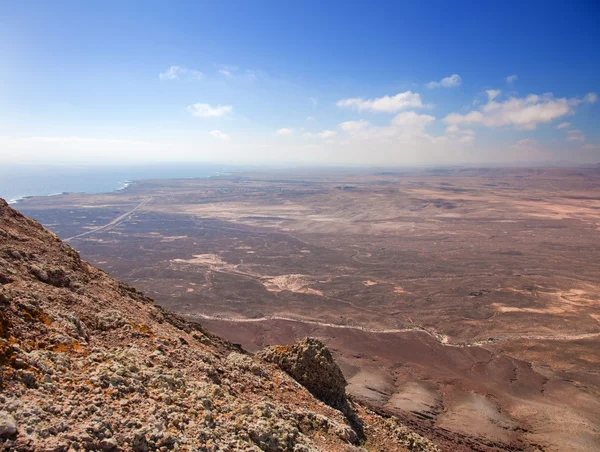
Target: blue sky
[{"x": 300, "y": 82}]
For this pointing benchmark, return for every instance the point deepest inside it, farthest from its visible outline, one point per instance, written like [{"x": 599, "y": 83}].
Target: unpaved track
[
  {"x": 443, "y": 339},
  {"x": 112, "y": 224}
]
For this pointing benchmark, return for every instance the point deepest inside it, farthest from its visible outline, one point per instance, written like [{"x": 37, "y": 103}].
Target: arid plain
[{"x": 465, "y": 301}]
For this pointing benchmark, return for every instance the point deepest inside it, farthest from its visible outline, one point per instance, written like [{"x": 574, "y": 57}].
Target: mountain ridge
[{"x": 90, "y": 363}]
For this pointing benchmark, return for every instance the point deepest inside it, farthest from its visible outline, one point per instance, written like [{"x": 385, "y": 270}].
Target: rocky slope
[{"x": 89, "y": 363}]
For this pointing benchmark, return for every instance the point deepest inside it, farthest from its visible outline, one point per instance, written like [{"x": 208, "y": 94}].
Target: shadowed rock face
[
  {"x": 89, "y": 363},
  {"x": 311, "y": 364}
]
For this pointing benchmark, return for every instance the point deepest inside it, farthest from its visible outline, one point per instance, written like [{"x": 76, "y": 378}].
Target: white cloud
[
  {"x": 447, "y": 82},
  {"x": 314, "y": 101},
  {"x": 284, "y": 131},
  {"x": 575, "y": 135},
  {"x": 205, "y": 110},
  {"x": 411, "y": 119},
  {"x": 453, "y": 132},
  {"x": 405, "y": 127},
  {"x": 563, "y": 125},
  {"x": 228, "y": 71},
  {"x": 327, "y": 134},
  {"x": 177, "y": 72},
  {"x": 591, "y": 98},
  {"x": 171, "y": 74},
  {"x": 524, "y": 113},
  {"x": 220, "y": 135},
  {"x": 310, "y": 118},
  {"x": 511, "y": 78},
  {"x": 492, "y": 93},
  {"x": 404, "y": 138},
  {"x": 591, "y": 147},
  {"x": 385, "y": 104},
  {"x": 352, "y": 127},
  {"x": 527, "y": 145},
  {"x": 246, "y": 76}
]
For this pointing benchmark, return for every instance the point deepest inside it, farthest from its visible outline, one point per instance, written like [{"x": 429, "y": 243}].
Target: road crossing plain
[{"x": 465, "y": 301}]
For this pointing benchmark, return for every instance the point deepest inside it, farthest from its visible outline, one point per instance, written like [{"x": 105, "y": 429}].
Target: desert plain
[{"x": 464, "y": 301}]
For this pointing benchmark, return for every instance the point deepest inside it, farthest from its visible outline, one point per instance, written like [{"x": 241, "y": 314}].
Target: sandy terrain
[{"x": 457, "y": 299}]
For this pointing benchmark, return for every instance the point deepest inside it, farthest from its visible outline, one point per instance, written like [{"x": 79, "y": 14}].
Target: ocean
[{"x": 19, "y": 181}]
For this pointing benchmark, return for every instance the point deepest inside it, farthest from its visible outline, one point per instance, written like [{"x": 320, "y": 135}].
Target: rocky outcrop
[
  {"x": 89, "y": 363},
  {"x": 311, "y": 364}
]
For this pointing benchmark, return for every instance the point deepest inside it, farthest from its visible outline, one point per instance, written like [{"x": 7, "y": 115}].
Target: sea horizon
[{"x": 20, "y": 182}]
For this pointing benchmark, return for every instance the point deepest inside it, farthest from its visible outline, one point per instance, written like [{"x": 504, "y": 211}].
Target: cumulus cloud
[
  {"x": 178, "y": 72},
  {"x": 405, "y": 126},
  {"x": 563, "y": 125},
  {"x": 410, "y": 119},
  {"x": 447, "y": 82},
  {"x": 284, "y": 131},
  {"x": 575, "y": 135},
  {"x": 453, "y": 132},
  {"x": 492, "y": 94},
  {"x": 385, "y": 104},
  {"x": 206, "y": 111},
  {"x": 527, "y": 145},
  {"x": 524, "y": 113},
  {"x": 405, "y": 137},
  {"x": 219, "y": 135},
  {"x": 327, "y": 134},
  {"x": 353, "y": 127},
  {"x": 511, "y": 78},
  {"x": 591, "y": 98}
]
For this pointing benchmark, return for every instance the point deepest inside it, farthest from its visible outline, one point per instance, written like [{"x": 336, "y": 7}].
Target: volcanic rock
[
  {"x": 89, "y": 363},
  {"x": 311, "y": 364}
]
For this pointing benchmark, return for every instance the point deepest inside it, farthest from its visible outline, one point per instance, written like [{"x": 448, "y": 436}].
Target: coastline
[{"x": 122, "y": 186}]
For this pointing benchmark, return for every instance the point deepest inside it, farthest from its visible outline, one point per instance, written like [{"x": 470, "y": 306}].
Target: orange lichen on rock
[
  {"x": 88, "y": 363},
  {"x": 143, "y": 329},
  {"x": 35, "y": 315},
  {"x": 7, "y": 354},
  {"x": 4, "y": 326}
]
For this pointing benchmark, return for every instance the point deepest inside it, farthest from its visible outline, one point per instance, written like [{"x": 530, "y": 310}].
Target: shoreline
[{"x": 122, "y": 185}]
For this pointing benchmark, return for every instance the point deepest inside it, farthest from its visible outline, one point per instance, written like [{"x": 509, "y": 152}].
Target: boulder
[
  {"x": 311, "y": 364},
  {"x": 8, "y": 426}
]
